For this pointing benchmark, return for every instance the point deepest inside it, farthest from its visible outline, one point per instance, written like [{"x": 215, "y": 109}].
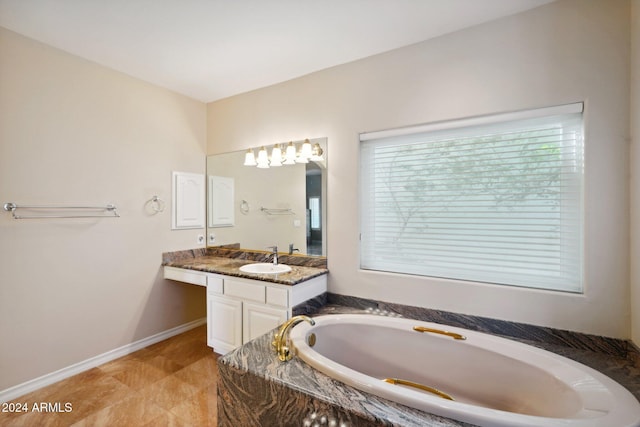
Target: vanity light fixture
[
  {"x": 317, "y": 153},
  {"x": 281, "y": 155},
  {"x": 276, "y": 156},
  {"x": 290, "y": 154},
  {"x": 263, "y": 158},
  {"x": 249, "y": 158}
]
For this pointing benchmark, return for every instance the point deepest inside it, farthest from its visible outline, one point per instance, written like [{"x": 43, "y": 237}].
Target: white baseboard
[{"x": 48, "y": 379}]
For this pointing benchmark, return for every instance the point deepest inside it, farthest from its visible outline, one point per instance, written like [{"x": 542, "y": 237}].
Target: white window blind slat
[{"x": 491, "y": 200}]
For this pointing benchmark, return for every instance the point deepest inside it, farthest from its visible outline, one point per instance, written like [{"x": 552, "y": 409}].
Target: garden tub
[{"x": 461, "y": 374}]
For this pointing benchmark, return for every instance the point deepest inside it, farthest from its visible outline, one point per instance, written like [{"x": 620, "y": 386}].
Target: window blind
[{"x": 496, "y": 200}]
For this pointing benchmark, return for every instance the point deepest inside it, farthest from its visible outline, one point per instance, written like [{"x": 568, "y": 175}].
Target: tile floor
[{"x": 171, "y": 383}]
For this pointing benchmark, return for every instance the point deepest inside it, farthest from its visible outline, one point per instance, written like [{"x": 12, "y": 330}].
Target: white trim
[
  {"x": 50, "y": 378},
  {"x": 577, "y": 107}
]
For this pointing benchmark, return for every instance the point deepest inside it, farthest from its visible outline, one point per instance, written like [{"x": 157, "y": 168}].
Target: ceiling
[{"x": 213, "y": 49}]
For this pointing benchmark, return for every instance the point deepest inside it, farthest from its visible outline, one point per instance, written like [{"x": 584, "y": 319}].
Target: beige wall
[
  {"x": 635, "y": 170},
  {"x": 567, "y": 51},
  {"x": 73, "y": 132}
]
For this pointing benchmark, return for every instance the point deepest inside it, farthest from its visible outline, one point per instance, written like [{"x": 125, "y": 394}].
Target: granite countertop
[{"x": 231, "y": 267}]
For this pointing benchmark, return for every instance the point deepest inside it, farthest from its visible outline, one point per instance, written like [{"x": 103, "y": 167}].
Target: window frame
[{"x": 504, "y": 119}]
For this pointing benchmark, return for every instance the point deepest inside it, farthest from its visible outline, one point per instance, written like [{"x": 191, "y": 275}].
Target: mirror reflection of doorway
[{"x": 314, "y": 210}]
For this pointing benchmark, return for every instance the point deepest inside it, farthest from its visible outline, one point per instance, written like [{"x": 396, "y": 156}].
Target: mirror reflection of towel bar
[{"x": 270, "y": 211}]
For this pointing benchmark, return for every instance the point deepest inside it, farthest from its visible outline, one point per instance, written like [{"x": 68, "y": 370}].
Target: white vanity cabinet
[{"x": 239, "y": 309}]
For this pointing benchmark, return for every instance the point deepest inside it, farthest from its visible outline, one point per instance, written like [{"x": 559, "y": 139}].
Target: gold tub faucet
[{"x": 280, "y": 338}]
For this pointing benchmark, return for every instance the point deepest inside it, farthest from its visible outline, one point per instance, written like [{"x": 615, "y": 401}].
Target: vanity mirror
[{"x": 258, "y": 206}]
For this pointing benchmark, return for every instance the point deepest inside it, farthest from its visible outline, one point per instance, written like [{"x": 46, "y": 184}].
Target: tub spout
[{"x": 280, "y": 338}]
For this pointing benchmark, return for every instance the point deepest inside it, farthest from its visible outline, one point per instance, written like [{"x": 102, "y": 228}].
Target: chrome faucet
[
  {"x": 291, "y": 249},
  {"x": 281, "y": 337},
  {"x": 275, "y": 254}
]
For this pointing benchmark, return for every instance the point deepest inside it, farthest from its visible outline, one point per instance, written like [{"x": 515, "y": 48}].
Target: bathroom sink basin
[{"x": 265, "y": 268}]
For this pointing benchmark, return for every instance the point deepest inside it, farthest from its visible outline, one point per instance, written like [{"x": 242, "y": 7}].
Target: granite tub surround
[
  {"x": 311, "y": 306},
  {"x": 617, "y": 359},
  {"x": 228, "y": 261},
  {"x": 255, "y": 388},
  {"x": 532, "y": 334}
]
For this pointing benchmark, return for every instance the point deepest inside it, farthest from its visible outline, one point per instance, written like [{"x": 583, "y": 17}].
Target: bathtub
[{"x": 493, "y": 381}]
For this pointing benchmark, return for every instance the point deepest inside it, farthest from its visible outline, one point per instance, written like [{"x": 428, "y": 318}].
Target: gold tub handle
[
  {"x": 279, "y": 342},
  {"x": 423, "y": 387},
  {"x": 439, "y": 331}
]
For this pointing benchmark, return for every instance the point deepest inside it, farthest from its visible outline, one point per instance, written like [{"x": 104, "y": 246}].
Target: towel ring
[{"x": 157, "y": 204}]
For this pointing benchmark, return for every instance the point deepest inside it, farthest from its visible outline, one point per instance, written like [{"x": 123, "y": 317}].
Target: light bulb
[
  {"x": 263, "y": 158},
  {"x": 305, "y": 151},
  {"x": 290, "y": 154},
  {"x": 249, "y": 158},
  {"x": 276, "y": 156}
]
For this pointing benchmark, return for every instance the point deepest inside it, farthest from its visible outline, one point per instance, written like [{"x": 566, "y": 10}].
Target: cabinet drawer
[
  {"x": 214, "y": 285},
  {"x": 187, "y": 276},
  {"x": 246, "y": 291},
  {"x": 277, "y": 296}
]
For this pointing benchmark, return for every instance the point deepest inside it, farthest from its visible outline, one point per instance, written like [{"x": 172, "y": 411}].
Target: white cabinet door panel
[
  {"x": 188, "y": 200},
  {"x": 221, "y": 208},
  {"x": 260, "y": 319},
  {"x": 224, "y": 323}
]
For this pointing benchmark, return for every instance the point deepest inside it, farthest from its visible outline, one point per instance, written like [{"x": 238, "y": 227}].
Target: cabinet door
[
  {"x": 224, "y": 323},
  {"x": 260, "y": 319},
  {"x": 221, "y": 206},
  {"x": 188, "y": 200}
]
